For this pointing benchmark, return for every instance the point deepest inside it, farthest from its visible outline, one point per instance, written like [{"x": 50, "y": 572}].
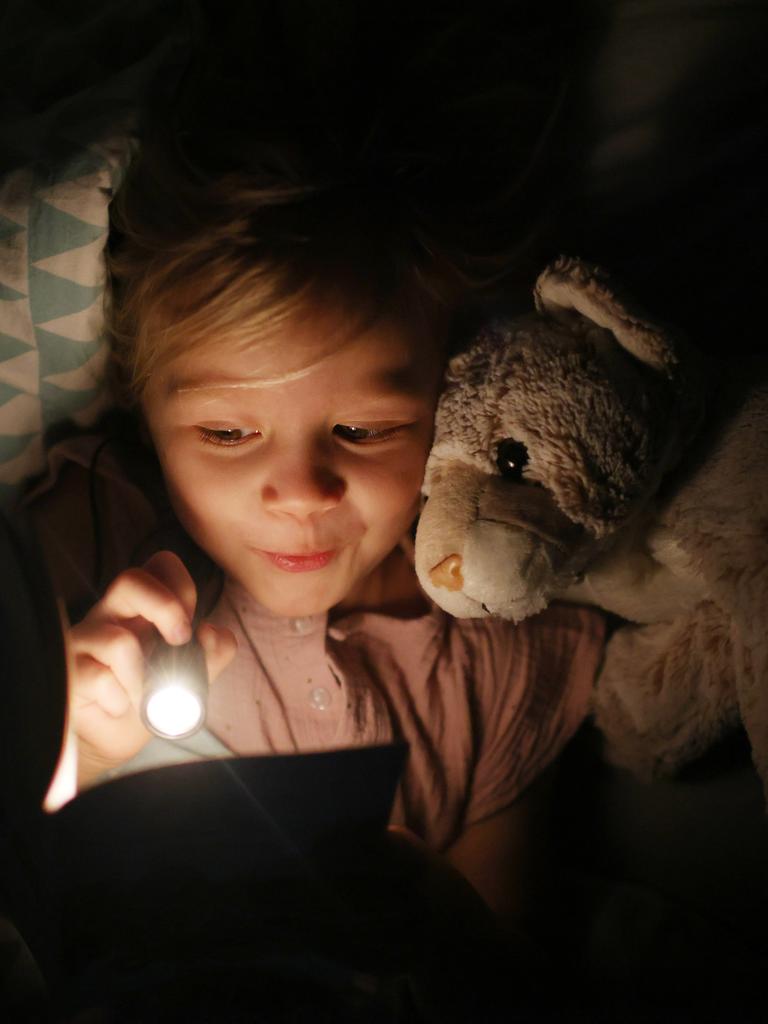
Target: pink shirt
[{"x": 484, "y": 705}]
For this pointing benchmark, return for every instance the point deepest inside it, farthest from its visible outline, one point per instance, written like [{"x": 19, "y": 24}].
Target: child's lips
[{"x": 299, "y": 563}]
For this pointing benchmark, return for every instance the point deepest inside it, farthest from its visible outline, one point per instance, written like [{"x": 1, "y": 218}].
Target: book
[{"x": 231, "y": 852}]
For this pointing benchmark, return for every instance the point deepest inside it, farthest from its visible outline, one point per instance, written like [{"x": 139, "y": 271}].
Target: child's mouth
[{"x": 299, "y": 563}]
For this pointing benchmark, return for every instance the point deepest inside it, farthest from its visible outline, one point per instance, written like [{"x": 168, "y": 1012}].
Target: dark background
[{"x": 654, "y": 165}]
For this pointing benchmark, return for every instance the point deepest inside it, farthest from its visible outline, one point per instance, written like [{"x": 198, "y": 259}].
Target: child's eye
[
  {"x": 364, "y": 435},
  {"x": 226, "y": 437}
]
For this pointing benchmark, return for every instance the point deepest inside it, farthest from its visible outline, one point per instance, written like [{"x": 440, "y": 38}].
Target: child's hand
[{"x": 107, "y": 652}]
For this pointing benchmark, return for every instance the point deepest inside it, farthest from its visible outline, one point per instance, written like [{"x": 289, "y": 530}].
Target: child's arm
[
  {"x": 505, "y": 856},
  {"x": 533, "y": 692},
  {"x": 107, "y": 650}
]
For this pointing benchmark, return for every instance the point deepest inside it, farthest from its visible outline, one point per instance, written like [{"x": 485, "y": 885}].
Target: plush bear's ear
[
  {"x": 570, "y": 290},
  {"x": 665, "y": 399}
]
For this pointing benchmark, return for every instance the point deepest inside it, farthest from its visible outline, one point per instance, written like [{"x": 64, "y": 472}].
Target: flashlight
[{"x": 175, "y": 697}]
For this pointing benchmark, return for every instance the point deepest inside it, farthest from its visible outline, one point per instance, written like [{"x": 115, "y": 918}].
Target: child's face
[{"x": 299, "y": 488}]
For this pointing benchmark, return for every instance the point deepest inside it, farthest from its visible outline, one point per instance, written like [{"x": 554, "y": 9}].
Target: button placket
[
  {"x": 302, "y": 625},
  {"x": 320, "y": 698}
]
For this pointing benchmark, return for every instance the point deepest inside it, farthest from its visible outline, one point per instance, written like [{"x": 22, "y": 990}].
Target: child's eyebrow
[
  {"x": 396, "y": 382},
  {"x": 179, "y": 385}
]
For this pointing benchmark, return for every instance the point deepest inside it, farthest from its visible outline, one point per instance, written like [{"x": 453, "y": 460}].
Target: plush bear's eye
[{"x": 511, "y": 457}]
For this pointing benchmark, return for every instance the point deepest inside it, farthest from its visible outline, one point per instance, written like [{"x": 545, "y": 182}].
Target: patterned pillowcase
[
  {"x": 70, "y": 88},
  {"x": 53, "y": 228}
]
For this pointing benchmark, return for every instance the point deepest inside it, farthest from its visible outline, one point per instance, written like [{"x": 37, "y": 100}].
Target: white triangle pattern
[
  {"x": 84, "y": 265},
  {"x": 86, "y": 198},
  {"x": 20, "y": 415},
  {"x": 89, "y": 375},
  {"x": 83, "y": 326},
  {"x": 22, "y": 372},
  {"x": 16, "y": 320}
]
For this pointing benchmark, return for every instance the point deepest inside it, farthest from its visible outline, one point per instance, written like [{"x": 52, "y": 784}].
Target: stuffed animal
[{"x": 582, "y": 453}]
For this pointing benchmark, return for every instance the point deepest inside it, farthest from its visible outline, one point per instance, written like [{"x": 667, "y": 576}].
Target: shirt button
[
  {"x": 302, "y": 626},
  {"x": 320, "y": 698}
]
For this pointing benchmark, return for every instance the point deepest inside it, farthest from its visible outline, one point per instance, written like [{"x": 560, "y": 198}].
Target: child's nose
[{"x": 302, "y": 486}]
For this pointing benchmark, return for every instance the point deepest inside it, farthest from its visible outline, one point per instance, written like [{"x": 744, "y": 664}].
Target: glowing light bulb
[
  {"x": 174, "y": 711},
  {"x": 176, "y": 691}
]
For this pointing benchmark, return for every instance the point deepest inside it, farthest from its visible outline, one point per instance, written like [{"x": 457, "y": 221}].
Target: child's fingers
[
  {"x": 97, "y": 686},
  {"x": 138, "y": 594},
  {"x": 107, "y": 724},
  {"x": 170, "y": 570},
  {"x": 219, "y": 646},
  {"x": 116, "y": 652}
]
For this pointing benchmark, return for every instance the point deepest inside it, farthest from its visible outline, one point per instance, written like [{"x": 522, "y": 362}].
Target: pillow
[
  {"x": 53, "y": 228},
  {"x": 69, "y": 87}
]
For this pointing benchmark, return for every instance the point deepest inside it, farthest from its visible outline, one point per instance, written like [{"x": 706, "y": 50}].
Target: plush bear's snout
[{"x": 447, "y": 573}]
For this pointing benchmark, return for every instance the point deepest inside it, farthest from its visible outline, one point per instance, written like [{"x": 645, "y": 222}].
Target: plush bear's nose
[{"x": 447, "y": 573}]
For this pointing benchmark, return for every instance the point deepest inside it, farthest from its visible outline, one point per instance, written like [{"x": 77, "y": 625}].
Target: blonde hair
[
  {"x": 232, "y": 260},
  {"x": 384, "y": 173}
]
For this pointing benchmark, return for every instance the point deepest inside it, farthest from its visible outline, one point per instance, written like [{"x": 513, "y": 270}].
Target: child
[
  {"x": 283, "y": 303},
  {"x": 280, "y": 323},
  {"x": 283, "y": 349}
]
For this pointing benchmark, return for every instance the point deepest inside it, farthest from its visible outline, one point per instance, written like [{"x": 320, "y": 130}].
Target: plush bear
[{"x": 583, "y": 453}]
